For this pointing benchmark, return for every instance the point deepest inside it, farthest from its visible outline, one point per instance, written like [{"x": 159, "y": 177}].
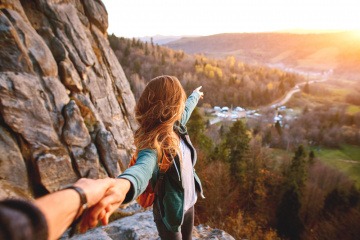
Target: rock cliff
[{"x": 66, "y": 108}]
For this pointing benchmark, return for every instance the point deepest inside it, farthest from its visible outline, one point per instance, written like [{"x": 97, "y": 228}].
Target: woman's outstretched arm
[{"x": 190, "y": 104}]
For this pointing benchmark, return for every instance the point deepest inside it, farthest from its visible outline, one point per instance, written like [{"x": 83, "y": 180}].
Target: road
[
  {"x": 282, "y": 101},
  {"x": 294, "y": 90}
]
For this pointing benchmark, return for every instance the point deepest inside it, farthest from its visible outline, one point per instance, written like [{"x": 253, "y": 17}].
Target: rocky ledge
[{"x": 141, "y": 226}]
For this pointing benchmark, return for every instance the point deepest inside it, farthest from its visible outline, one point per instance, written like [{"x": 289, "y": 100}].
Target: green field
[
  {"x": 346, "y": 159},
  {"x": 352, "y": 109}
]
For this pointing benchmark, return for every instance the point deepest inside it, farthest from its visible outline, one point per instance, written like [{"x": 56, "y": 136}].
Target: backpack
[{"x": 147, "y": 198}]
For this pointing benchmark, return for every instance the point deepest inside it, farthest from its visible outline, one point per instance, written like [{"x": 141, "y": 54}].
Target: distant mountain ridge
[
  {"x": 161, "y": 39},
  {"x": 320, "y": 52}
]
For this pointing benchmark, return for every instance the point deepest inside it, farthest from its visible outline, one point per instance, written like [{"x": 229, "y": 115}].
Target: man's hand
[
  {"x": 106, "y": 206},
  {"x": 95, "y": 189},
  {"x": 198, "y": 91},
  {"x": 61, "y": 207}
]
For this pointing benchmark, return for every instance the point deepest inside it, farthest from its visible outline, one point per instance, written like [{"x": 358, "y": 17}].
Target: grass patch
[
  {"x": 341, "y": 92},
  {"x": 345, "y": 159},
  {"x": 352, "y": 109}
]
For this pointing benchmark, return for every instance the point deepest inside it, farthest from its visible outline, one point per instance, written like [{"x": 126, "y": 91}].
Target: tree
[
  {"x": 196, "y": 129},
  {"x": 311, "y": 157},
  {"x": 306, "y": 88},
  {"x": 137, "y": 67},
  {"x": 289, "y": 223},
  {"x": 278, "y": 128},
  {"x": 297, "y": 172},
  {"x": 341, "y": 200},
  {"x": 127, "y": 49},
  {"x": 146, "y": 49},
  {"x": 114, "y": 42},
  {"x": 163, "y": 61},
  {"x": 237, "y": 144}
]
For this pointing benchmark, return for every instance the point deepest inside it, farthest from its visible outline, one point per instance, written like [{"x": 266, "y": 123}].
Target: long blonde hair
[{"x": 159, "y": 107}]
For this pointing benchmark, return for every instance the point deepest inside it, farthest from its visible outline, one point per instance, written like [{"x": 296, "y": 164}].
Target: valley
[{"x": 279, "y": 123}]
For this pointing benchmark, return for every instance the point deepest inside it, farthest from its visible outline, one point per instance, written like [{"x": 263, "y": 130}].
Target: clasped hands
[{"x": 104, "y": 197}]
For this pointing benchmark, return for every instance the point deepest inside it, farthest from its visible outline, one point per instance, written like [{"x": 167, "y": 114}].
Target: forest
[
  {"x": 255, "y": 193},
  {"x": 226, "y": 81},
  {"x": 262, "y": 180}
]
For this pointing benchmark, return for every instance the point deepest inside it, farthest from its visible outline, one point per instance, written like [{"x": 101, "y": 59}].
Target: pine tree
[
  {"x": 146, "y": 49},
  {"x": 311, "y": 157},
  {"x": 196, "y": 129},
  {"x": 298, "y": 168},
  {"x": 306, "y": 88},
  {"x": 289, "y": 223},
  {"x": 237, "y": 144},
  {"x": 163, "y": 61},
  {"x": 278, "y": 128}
]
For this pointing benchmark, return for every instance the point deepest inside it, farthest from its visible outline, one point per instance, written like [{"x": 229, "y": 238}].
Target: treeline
[
  {"x": 254, "y": 195},
  {"x": 226, "y": 82},
  {"x": 323, "y": 126}
]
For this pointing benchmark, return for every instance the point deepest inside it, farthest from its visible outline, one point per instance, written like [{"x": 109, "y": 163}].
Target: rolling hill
[{"x": 311, "y": 52}]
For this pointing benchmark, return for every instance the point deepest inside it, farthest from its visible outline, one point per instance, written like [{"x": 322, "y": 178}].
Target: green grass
[
  {"x": 352, "y": 109},
  {"x": 340, "y": 92},
  {"x": 345, "y": 159}
]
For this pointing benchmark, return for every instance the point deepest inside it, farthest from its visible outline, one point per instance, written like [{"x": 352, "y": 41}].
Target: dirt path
[
  {"x": 348, "y": 161},
  {"x": 284, "y": 100}
]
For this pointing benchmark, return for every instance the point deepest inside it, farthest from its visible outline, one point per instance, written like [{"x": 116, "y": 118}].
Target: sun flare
[
  {"x": 212, "y": 17},
  {"x": 356, "y": 34}
]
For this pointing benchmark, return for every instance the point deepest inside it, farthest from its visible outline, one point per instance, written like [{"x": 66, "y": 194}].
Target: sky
[{"x": 139, "y": 18}]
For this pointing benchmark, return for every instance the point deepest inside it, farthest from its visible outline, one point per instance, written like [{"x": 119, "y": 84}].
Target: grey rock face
[
  {"x": 11, "y": 162},
  {"x": 141, "y": 226},
  {"x": 108, "y": 152},
  {"x": 97, "y": 14},
  {"x": 52, "y": 52}
]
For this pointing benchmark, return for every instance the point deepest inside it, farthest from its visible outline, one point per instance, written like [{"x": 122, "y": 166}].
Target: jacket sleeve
[
  {"x": 20, "y": 219},
  {"x": 140, "y": 174},
  {"x": 190, "y": 104}
]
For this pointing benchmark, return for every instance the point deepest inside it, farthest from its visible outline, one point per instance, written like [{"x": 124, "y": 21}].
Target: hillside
[
  {"x": 226, "y": 81},
  {"x": 317, "y": 52}
]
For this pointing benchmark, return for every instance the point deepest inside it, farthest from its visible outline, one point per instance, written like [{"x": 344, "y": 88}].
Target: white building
[
  {"x": 217, "y": 108},
  {"x": 225, "y": 109}
]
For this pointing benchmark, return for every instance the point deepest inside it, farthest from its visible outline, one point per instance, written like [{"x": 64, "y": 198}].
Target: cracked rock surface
[{"x": 66, "y": 107}]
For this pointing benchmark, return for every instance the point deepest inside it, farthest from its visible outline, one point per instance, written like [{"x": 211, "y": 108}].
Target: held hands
[
  {"x": 105, "y": 202},
  {"x": 200, "y": 93},
  {"x": 94, "y": 189}
]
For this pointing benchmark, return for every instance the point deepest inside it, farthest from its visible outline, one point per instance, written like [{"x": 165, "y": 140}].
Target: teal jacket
[{"x": 146, "y": 168}]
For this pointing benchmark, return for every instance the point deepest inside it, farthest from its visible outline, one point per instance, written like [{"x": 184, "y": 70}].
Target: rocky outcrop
[
  {"x": 141, "y": 226},
  {"x": 66, "y": 108}
]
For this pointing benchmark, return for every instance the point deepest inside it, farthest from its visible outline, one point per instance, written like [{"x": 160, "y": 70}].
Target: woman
[{"x": 162, "y": 145}]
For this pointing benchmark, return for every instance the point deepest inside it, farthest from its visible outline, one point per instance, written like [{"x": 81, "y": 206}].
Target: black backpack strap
[{"x": 159, "y": 190}]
